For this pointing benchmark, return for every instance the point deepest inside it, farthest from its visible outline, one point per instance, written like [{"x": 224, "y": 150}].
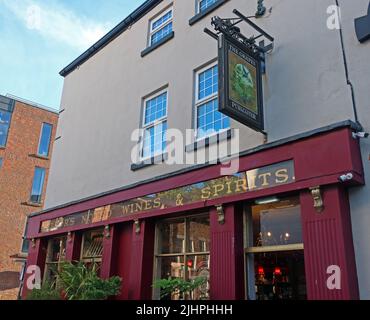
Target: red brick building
[{"x": 27, "y": 133}]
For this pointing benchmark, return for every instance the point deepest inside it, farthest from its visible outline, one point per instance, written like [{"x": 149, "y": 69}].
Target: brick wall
[{"x": 16, "y": 177}]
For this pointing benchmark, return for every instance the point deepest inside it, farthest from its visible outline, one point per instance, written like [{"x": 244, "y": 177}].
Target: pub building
[{"x": 287, "y": 225}]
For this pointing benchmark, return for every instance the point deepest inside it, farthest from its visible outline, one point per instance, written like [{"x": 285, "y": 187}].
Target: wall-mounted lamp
[
  {"x": 220, "y": 214},
  {"x": 317, "y": 198},
  {"x": 69, "y": 236},
  {"x": 137, "y": 226},
  {"x": 33, "y": 243},
  {"x": 107, "y": 232}
]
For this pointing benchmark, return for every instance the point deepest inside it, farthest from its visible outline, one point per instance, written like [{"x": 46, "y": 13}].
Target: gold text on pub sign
[{"x": 257, "y": 179}]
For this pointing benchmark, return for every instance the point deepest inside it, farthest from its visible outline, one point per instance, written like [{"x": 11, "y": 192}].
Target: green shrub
[
  {"x": 80, "y": 282},
  {"x": 180, "y": 287},
  {"x": 47, "y": 292}
]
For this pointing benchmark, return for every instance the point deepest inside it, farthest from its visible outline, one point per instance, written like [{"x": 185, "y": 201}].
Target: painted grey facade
[{"x": 305, "y": 88}]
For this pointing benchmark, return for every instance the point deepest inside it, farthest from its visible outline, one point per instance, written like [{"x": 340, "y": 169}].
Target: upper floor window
[
  {"x": 38, "y": 185},
  {"x": 1, "y": 163},
  {"x": 209, "y": 120},
  {"x": 155, "y": 125},
  {"x": 45, "y": 138},
  {"x": 204, "y": 4},
  {"x": 4, "y": 126},
  {"x": 161, "y": 26}
]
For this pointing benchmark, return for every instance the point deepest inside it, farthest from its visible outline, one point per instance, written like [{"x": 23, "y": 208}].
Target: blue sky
[{"x": 39, "y": 38}]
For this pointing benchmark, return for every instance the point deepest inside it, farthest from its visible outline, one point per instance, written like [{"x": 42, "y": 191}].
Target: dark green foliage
[
  {"x": 178, "y": 286},
  {"x": 47, "y": 292},
  {"x": 80, "y": 282},
  {"x": 76, "y": 281}
]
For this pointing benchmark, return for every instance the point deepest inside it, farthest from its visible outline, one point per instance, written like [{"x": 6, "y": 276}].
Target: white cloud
[{"x": 57, "y": 23}]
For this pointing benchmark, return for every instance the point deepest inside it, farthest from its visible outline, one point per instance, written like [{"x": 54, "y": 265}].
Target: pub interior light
[{"x": 267, "y": 200}]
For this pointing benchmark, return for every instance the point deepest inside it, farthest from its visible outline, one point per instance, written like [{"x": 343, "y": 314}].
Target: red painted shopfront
[{"x": 129, "y": 243}]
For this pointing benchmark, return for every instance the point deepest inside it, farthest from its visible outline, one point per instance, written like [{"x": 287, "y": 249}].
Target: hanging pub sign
[{"x": 240, "y": 80}]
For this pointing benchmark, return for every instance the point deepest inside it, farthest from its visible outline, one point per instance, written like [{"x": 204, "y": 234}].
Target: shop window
[
  {"x": 155, "y": 125},
  {"x": 275, "y": 251},
  {"x": 56, "y": 253},
  {"x": 92, "y": 247},
  {"x": 182, "y": 251},
  {"x": 208, "y": 120},
  {"x": 160, "y": 27}
]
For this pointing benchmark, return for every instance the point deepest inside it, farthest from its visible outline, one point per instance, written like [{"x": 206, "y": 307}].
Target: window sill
[
  {"x": 206, "y": 142},
  {"x": 31, "y": 204},
  {"x": 204, "y": 13},
  {"x": 39, "y": 157},
  {"x": 158, "y": 44},
  {"x": 149, "y": 162}
]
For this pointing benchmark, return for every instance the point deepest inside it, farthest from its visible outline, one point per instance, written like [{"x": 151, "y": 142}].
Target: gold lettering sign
[{"x": 257, "y": 179}]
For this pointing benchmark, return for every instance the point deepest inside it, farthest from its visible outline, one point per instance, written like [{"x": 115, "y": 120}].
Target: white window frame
[
  {"x": 200, "y": 102},
  {"x": 160, "y": 27},
  {"x": 198, "y": 5},
  {"x": 152, "y": 124}
]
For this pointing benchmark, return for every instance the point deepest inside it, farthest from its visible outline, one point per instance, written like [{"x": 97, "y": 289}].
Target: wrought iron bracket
[
  {"x": 229, "y": 27},
  {"x": 317, "y": 198}
]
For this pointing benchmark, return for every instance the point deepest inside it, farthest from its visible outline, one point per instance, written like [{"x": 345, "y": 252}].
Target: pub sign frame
[{"x": 240, "y": 92}]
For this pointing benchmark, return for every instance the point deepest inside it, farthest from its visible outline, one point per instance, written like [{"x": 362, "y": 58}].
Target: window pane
[
  {"x": 204, "y": 4},
  {"x": 160, "y": 34},
  {"x": 198, "y": 267},
  {"x": 208, "y": 83},
  {"x": 199, "y": 234},
  {"x": 162, "y": 20},
  {"x": 210, "y": 120},
  {"x": 279, "y": 276},
  {"x": 56, "y": 250},
  {"x": 169, "y": 267},
  {"x": 277, "y": 224},
  {"x": 45, "y": 139},
  {"x": 56, "y": 254},
  {"x": 4, "y": 126},
  {"x": 154, "y": 140},
  {"x": 1, "y": 163},
  {"x": 156, "y": 108},
  {"x": 171, "y": 237},
  {"x": 37, "y": 185},
  {"x": 92, "y": 245}
]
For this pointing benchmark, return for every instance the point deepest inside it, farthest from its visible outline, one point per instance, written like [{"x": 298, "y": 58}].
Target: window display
[
  {"x": 274, "y": 251},
  {"x": 182, "y": 248}
]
